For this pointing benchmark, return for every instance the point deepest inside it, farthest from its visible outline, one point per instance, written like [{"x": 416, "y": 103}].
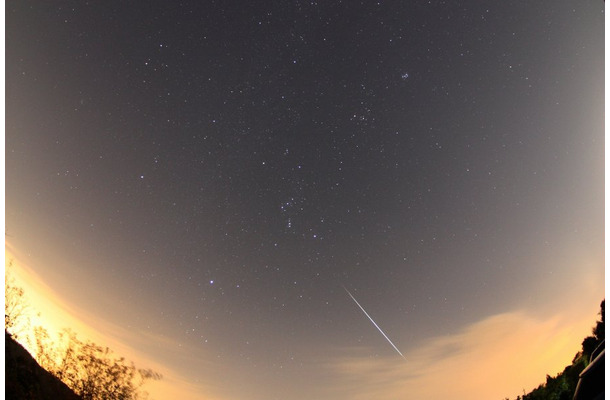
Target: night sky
[{"x": 209, "y": 178}]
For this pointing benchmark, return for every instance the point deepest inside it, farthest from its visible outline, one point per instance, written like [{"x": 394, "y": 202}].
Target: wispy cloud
[{"x": 496, "y": 358}]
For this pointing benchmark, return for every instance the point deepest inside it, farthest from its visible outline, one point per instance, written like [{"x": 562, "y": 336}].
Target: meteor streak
[{"x": 376, "y": 326}]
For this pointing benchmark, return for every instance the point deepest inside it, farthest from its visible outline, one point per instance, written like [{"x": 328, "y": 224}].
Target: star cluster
[{"x": 230, "y": 165}]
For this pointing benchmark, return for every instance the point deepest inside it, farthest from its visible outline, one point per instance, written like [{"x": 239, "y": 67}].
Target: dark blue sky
[{"x": 213, "y": 172}]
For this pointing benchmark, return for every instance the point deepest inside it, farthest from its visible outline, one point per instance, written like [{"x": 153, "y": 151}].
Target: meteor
[{"x": 376, "y": 326}]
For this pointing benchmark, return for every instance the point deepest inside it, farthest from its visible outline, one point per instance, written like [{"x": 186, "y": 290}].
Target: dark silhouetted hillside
[
  {"x": 563, "y": 386},
  {"x": 25, "y": 379},
  {"x": 70, "y": 369}
]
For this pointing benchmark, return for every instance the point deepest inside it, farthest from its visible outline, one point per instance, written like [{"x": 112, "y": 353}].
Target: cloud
[{"x": 497, "y": 357}]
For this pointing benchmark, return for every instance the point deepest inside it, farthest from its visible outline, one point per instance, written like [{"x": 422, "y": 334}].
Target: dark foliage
[
  {"x": 70, "y": 369},
  {"x": 25, "y": 379},
  {"x": 92, "y": 371},
  {"x": 16, "y": 309},
  {"x": 563, "y": 386}
]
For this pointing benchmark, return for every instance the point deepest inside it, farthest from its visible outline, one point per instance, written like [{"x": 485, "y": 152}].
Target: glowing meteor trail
[{"x": 377, "y": 326}]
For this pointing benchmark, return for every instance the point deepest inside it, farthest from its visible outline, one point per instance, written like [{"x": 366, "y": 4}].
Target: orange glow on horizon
[
  {"x": 48, "y": 310},
  {"x": 497, "y": 357}
]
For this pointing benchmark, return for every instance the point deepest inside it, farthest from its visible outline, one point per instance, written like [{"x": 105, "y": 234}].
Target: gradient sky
[{"x": 197, "y": 182}]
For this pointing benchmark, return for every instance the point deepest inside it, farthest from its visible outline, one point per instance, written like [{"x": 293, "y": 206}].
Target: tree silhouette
[
  {"x": 599, "y": 330},
  {"x": 93, "y": 372},
  {"x": 563, "y": 386},
  {"x": 16, "y": 308},
  {"x": 90, "y": 370}
]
